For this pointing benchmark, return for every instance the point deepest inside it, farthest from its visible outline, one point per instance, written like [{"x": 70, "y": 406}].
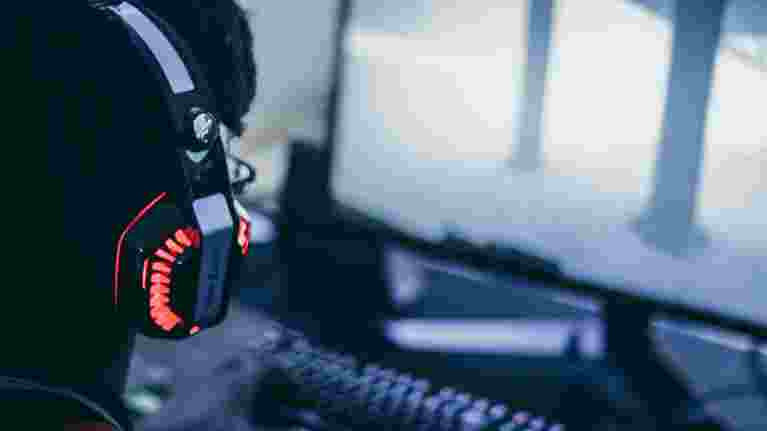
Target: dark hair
[
  {"x": 90, "y": 131},
  {"x": 220, "y": 33}
]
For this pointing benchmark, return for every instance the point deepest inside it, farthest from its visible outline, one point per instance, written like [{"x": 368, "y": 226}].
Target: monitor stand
[{"x": 633, "y": 359}]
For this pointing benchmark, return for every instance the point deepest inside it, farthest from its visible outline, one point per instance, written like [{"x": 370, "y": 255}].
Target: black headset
[{"x": 176, "y": 259}]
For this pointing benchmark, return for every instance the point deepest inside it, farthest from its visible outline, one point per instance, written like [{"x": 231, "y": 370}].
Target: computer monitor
[{"x": 596, "y": 135}]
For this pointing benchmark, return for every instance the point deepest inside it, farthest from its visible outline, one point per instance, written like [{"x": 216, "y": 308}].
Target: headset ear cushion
[{"x": 145, "y": 266}]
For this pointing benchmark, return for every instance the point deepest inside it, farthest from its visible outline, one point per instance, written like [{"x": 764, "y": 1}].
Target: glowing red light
[
  {"x": 194, "y": 236},
  {"x": 120, "y": 241},
  {"x": 195, "y": 329},
  {"x": 158, "y": 300},
  {"x": 162, "y": 254},
  {"x": 159, "y": 289},
  {"x": 164, "y": 317},
  {"x": 161, "y": 267},
  {"x": 143, "y": 274},
  {"x": 182, "y": 238},
  {"x": 173, "y": 247},
  {"x": 160, "y": 278},
  {"x": 243, "y": 235}
]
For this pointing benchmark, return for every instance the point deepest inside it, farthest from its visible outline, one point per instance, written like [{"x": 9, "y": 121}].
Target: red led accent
[
  {"x": 173, "y": 247},
  {"x": 161, "y": 267},
  {"x": 143, "y": 274},
  {"x": 159, "y": 278},
  {"x": 194, "y": 236},
  {"x": 195, "y": 329},
  {"x": 162, "y": 254},
  {"x": 160, "y": 289},
  {"x": 243, "y": 235},
  {"x": 182, "y": 239},
  {"x": 164, "y": 317},
  {"x": 163, "y": 322},
  {"x": 171, "y": 320},
  {"x": 120, "y": 241},
  {"x": 158, "y": 300}
]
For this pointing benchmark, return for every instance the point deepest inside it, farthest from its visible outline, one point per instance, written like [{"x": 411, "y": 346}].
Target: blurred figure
[{"x": 89, "y": 124}]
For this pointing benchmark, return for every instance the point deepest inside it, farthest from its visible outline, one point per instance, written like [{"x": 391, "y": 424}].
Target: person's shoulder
[{"x": 41, "y": 406}]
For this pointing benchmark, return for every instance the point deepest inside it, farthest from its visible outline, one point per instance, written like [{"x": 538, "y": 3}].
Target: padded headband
[{"x": 187, "y": 95}]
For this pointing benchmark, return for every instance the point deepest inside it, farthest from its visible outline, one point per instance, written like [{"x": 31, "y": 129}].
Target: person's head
[{"x": 91, "y": 143}]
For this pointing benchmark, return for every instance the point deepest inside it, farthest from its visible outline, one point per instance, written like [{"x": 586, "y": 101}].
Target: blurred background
[
  {"x": 607, "y": 76},
  {"x": 538, "y": 122}
]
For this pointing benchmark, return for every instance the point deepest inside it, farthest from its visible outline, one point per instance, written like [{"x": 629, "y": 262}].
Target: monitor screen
[{"x": 547, "y": 125}]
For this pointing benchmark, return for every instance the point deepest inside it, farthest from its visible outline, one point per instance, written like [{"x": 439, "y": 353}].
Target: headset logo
[{"x": 203, "y": 127}]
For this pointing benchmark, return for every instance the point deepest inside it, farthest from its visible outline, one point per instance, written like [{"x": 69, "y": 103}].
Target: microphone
[{"x": 344, "y": 393}]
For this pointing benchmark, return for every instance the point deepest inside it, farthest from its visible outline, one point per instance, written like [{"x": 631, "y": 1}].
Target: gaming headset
[{"x": 176, "y": 259}]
